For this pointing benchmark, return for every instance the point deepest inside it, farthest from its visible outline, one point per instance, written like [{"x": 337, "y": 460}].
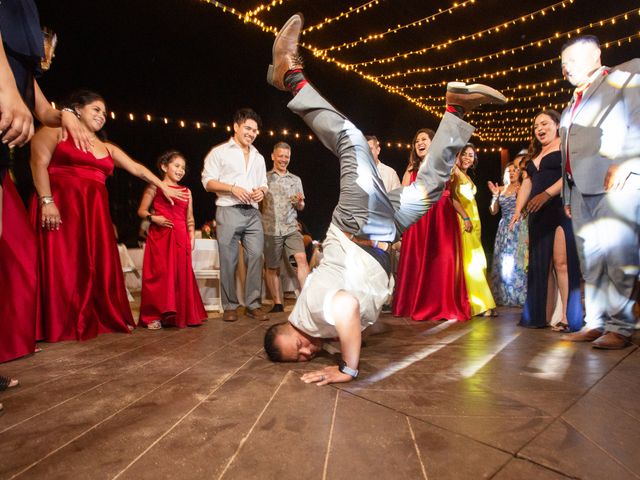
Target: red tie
[{"x": 573, "y": 112}]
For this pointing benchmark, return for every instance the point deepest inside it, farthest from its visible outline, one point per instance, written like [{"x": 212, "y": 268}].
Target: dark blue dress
[{"x": 542, "y": 228}]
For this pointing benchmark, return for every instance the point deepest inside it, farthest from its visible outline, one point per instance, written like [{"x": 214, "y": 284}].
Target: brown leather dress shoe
[
  {"x": 472, "y": 96},
  {"x": 285, "y": 52},
  {"x": 257, "y": 314},
  {"x": 611, "y": 341},
  {"x": 230, "y": 315},
  {"x": 583, "y": 335}
]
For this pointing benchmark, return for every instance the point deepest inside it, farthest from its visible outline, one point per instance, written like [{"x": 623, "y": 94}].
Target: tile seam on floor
[
  {"x": 415, "y": 444},
  {"x": 116, "y": 339},
  {"x": 33, "y": 464},
  {"x": 73, "y": 372},
  {"x": 170, "y": 429},
  {"x": 427, "y": 422},
  {"x": 518, "y": 454},
  {"x": 330, "y": 440},
  {"x": 54, "y": 406},
  {"x": 246, "y": 437},
  {"x": 597, "y": 445}
]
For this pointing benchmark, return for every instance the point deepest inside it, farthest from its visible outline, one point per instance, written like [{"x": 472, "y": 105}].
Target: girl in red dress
[
  {"x": 170, "y": 294},
  {"x": 82, "y": 292}
]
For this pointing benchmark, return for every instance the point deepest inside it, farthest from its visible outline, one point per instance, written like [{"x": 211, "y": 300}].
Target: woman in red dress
[
  {"x": 82, "y": 292},
  {"x": 430, "y": 282},
  {"x": 170, "y": 294}
]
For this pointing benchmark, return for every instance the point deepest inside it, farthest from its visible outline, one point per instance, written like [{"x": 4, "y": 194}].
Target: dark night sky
[{"x": 185, "y": 59}]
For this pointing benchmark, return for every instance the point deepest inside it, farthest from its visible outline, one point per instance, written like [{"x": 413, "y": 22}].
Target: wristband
[
  {"x": 466, "y": 219},
  {"x": 342, "y": 366},
  {"x": 149, "y": 218},
  {"x": 548, "y": 194}
]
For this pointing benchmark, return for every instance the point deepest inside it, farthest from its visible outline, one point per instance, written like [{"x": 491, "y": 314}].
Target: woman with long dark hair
[
  {"x": 82, "y": 292},
  {"x": 475, "y": 261},
  {"x": 553, "y": 258},
  {"x": 430, "y": 283}
]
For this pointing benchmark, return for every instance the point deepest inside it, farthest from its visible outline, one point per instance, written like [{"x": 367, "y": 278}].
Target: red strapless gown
[
  {"x": 169, "y": 288},
  {"x": 430, "y": 282},
  {"x": 18, "y": 282},
  {"x": 82, "y": 288}
]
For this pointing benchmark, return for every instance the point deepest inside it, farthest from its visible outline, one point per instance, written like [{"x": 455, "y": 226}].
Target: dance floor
[{"x": 482, "y": 399}]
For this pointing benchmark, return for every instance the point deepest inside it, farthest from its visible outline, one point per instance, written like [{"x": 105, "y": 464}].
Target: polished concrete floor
[{"x": 481, "y": 399}]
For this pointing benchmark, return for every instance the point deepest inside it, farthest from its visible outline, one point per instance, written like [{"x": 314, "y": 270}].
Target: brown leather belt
[{"x": 367, "y": 242}]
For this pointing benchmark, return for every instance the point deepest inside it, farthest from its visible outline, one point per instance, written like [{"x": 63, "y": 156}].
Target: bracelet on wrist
[
  {"x": 46, "y": 200},
  {"x": 149, "y": 218},
  {"x": 548, "y": 194},
  {"x": 70, "y": 110},
  {"x": 466, "y": 219}
]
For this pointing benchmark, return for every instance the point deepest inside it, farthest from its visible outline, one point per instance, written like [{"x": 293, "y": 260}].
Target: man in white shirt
[
  {"x": 345, "y": 293},
  {"x": 389, "y": 176},
  {"x": 235, "y": 171}
]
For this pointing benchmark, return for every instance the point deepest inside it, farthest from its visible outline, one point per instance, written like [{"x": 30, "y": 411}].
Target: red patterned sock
[{"x": 294, "y": 80}]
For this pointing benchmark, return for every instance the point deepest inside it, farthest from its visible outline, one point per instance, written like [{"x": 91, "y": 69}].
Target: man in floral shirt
[{"x": 280, "y": 207}]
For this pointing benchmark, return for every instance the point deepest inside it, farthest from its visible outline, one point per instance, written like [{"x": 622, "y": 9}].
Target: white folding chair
[
  {"x": 206, "y": 267},
  {"x": 127, "y": 267}
]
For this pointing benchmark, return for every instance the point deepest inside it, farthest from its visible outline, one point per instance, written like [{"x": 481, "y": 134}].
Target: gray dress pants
[
  {"x": 364, "y": 208},
  {"x": 235, "y": 225}
]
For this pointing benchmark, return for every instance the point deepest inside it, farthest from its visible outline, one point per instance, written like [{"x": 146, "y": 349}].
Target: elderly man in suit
[{"x": 600, "y": 143}]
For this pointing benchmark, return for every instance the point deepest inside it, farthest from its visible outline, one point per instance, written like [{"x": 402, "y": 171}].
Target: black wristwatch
[
  {"x": 149, "y": 218},
  {"x": 342, "y": 366}
]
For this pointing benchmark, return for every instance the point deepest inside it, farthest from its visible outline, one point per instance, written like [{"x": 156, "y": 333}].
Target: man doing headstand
[{"x": 345, "y": 293}]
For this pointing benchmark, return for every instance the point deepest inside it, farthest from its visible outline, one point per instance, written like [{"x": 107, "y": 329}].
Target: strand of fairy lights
[
  {"x": 523, "y": 68},
  {"x": 245, "y": 17},
  {"x": 392, "y": 89},
  {"x": 259, "y": 9},
  {"x": 535, "y": 43},
  {"x": 341, "y": 15},
  {"x": 473, "y": 36},
  {"x": 381, "y": 35}
]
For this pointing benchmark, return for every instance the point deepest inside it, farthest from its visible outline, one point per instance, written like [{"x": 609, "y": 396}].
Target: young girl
[{"x": 170, "y": 294}]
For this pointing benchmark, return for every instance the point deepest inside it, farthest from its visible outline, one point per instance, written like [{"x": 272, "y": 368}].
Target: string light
[
  {"x": 200, "y": 125},
  {"x": 503, "y": 52},
  {"x": 407, "y": 92},
  {"x": 473, "y": 36},
  {"x": 381, "y": 35},
  {"x": 260, "y": 8},
  {"x": 341, "y": 15}
]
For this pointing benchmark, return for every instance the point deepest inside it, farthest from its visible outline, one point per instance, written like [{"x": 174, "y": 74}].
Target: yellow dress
[{"x": 475, "y": 261}]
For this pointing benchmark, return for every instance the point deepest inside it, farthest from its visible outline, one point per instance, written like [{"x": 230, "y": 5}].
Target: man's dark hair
[
  {"x": 372, "y": 138},
  {"x": 245, "y": 114},
  {"x": 581, "y": 39},
  {"x": 273, "y": 352}
]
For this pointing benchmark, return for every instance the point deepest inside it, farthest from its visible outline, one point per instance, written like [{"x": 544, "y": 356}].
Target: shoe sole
[
  {"x": 461, "y": 87},
  {"x": 273, "y": 51}
]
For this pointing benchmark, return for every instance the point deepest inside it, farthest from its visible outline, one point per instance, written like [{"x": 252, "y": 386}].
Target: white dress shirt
[
  {"x": 389, "y": 177},
  {"x": 225, "y": 163}
]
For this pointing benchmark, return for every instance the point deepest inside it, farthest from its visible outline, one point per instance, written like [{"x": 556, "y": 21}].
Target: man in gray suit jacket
[{"x": 600, "y": 143}]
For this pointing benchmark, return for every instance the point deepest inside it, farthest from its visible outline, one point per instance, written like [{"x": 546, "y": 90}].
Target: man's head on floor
[{"x": 285, "y": 343}]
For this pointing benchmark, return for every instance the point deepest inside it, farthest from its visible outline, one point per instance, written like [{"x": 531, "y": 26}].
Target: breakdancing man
[{"x": 345, "y": 293}]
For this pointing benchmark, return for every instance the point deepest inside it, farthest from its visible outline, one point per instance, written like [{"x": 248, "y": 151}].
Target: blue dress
[
  {"x": 510, "y": 257},
  {"x": 542, "y": 230}
]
